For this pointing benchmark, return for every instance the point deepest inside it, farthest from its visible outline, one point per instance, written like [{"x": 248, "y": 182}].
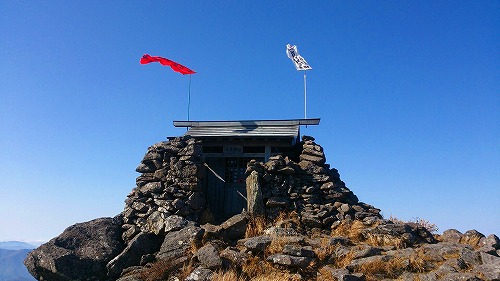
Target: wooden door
[
  {"x": 215, "y": 188},
  {"x": 235, "y": 185},
  {"x": 226, "y": 199}
]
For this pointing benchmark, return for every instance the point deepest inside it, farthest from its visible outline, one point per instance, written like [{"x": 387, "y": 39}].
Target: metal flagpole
[
  {"x": 189, "y": 95},
  {"x": 305, "y": 96}
]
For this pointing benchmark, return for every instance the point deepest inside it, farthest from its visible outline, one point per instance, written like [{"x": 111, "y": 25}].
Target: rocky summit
[{"x": 301, "y": 223}]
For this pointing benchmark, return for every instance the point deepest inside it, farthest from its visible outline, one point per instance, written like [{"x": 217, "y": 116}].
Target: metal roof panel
[{"x": 290, "y": 131}]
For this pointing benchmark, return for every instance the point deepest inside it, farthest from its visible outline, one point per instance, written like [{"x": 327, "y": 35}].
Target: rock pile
[
  {"x": 310, "y": 187},
  {"x": 170, "y": 184}
]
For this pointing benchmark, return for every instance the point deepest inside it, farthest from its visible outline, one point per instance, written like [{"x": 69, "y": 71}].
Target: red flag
[{"x": 163, "y": 61}]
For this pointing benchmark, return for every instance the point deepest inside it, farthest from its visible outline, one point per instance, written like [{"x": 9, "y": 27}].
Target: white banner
[{"x": 293, "y": 54}]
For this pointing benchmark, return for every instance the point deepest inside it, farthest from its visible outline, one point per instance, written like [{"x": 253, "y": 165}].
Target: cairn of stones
[
  {"x": 170, "y": 183},
  {"x": 311, "y": 188}
]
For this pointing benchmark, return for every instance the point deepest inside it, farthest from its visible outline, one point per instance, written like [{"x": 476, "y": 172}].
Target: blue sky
[{"x": 407, "y": 93}]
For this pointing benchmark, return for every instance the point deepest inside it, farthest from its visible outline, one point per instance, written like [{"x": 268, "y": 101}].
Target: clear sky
[{"x": 407, "y": 92}]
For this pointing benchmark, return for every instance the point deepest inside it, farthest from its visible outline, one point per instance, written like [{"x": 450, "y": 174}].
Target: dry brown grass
[
  {"x": 229, "y": 275},
  {"x": 255, "y": 266},
  {"x": 351, "y": 229},
  {"x": 451, "y": 255},
  {"x": 277, "y": 275},
  {"x": 417, "y": 264},
  {"x": 384, "y": 240},
  {"x": 325, "y": 275},
  {"x": 419, "y": 261},
  {"x": 159, "y": 270},
  {"x": 389, "y": 269},
  {"x": 287, "y": 220},
  {"x": 344, "y": 260},
  {"x": 255, "y": 227},
  {"x": 472, "y": 241},
  {"x": 186, "y": 269},
  {"x": 325, "y": 249},
  {"x": 256, "y": 269},
  {"x": 276, "y": 246}
]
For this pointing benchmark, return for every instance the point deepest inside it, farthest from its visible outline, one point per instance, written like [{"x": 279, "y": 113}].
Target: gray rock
[
  {"x": 471, "y": 257},
  {"x": 145, "y": 178},
  {"x": 311, "y": 168},
  {"x": 277, "y": 202},
  {"x": 209, "y": 257},
  {"x": 255, "y": 204},
  {"x": 155, "y": 223},
  {"x": 287, "y": 170},
  {"x": 142, "y": 244},
  {"x": 130, "y": 233},
  {"x": 200, "y": 274},
  {"x": 460, "y": 276},
  {"x": 139, "y": 206},
  {"x": 174, "y": 222},
  {"x": 257, "y": 244},
  {"x": 311, "y": 221},
  {"x": 151, "y": 187},
  {"x": 313, "y": 151},
  {"x": 313, "y": 159},
  {"x": 339, "y": 240},
  {"x": 341, "y": 274},
  {"x": 344, "y": 208},
  {"x": 190, "y": 150},
  {"x": 290, "y": 261},
  {"x": 489, "y": 244},
  {"x": 410, "y": 276},
  {"x": 177, "y": 243},
  {"x": 327, "y": 186},
  {"x": 132, "y": 273},
  {"x": 280, "y": 232},
  {"x": 235, "y": 227},
  {"x": 299, "y": 251},
  {"x": 81, "y": 252},
  {"x": 235, "y": 257},
  {"x": 490, "y": 268},
  {"x": 364, "y": 251},
  {"x": 357, "y": 263},
  {"x": 152, "y": 155},
  {"x": 146, "y": 168},
  {"x": 161, "y": 173}
]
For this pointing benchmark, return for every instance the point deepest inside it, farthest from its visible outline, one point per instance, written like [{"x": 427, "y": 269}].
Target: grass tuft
[
  {"x": 472, "y": 241},
  {"x": 384, "y": 240},
  {"x": 432, "y": 228},
  {"x": 325, "y": 249},
  {"x": 389, "y": 269},
  {"x": 351, "y": 229},
  {"x": 255, "y": 227},
  {"x": 229, "y": 275}
]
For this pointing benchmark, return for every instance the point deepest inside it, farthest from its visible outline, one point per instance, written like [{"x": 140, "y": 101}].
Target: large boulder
[
  {"x": 81, "y": 252},
  {"x": 142, "y": 244},
  {"x": 177, "y": 243}
]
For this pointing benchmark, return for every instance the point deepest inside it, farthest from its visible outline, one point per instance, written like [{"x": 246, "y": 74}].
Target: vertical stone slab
[{"x": 255, "y": 204}]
